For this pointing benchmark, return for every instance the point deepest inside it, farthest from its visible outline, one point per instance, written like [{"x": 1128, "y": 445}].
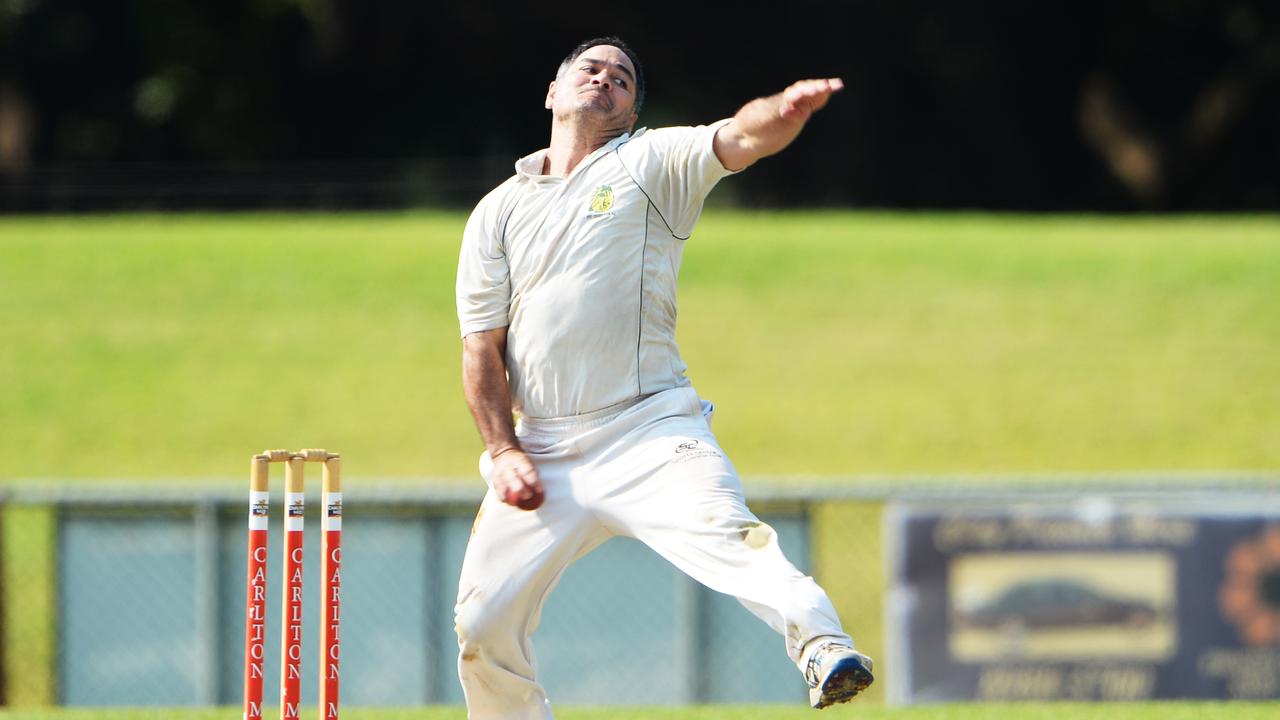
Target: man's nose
[{"x": 602, "y": 80}]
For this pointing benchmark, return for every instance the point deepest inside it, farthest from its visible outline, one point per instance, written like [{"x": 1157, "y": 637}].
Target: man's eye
[{"x": 621, "y": 83}]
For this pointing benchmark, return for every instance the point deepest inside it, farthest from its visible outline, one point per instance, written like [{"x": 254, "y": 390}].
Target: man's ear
[{"x": 551, "y": 94}]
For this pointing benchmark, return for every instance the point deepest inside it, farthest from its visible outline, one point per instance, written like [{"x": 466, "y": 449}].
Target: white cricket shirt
[{"x": 582, "y": 270}]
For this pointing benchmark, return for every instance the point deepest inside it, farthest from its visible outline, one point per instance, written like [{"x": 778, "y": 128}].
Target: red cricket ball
[{"x": 533, "y": 502}]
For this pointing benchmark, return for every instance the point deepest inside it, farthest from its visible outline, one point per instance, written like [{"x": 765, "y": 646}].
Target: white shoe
[{"x": 836, "y": 673}]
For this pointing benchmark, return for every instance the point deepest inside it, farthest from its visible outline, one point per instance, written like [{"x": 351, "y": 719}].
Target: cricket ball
[{"x": 530, "y": 503}]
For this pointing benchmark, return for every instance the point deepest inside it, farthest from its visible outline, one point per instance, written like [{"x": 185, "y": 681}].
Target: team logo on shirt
[{"x": 602, "y": 199}]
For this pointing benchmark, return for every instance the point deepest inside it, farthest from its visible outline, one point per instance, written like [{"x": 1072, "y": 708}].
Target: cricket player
[{"x": 566, "y": 297}]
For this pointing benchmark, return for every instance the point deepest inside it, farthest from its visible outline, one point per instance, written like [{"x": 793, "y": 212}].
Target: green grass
[
  {"x": 832, "y": 343},
  {"x": 27, "y": 652},
  {"x": 974, "y": 711}
]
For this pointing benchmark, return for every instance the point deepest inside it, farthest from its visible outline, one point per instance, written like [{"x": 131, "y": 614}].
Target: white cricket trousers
[{"x": 650, "y": 471}]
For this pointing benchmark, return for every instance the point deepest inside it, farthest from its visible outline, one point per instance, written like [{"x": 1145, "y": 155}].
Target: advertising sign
[{"x": 1085, "y": 601}]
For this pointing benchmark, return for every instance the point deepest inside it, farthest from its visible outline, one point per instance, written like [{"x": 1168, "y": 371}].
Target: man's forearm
[
  {"x": 763, "y": 127},
  {"x": 484, "y": 382},
  {"x": 767, "y": 125}
]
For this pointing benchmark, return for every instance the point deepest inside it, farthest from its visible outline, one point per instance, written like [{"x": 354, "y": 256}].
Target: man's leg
[
  {"x": 678, "y": 493},
  {"x": 706, "y": 530},
  {"x": 513, "y": 560}
]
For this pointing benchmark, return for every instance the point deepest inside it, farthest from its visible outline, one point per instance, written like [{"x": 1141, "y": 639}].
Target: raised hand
[{"x": 806, "y": 97}]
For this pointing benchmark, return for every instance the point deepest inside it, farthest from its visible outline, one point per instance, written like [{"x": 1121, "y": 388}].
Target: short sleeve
[
  {"x": 483, "y": 287},
  {"x": 677, "y": 167}
]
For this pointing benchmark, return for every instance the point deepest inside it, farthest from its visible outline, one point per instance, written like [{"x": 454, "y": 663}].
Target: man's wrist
[{"x": 493, "y": 455}]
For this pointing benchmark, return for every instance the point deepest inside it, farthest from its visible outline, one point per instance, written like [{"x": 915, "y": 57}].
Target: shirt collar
[{"x": 529, "y": 167}]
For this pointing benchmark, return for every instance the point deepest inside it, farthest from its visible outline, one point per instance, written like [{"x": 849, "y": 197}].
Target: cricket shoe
[{"x": 836, "y": 673}]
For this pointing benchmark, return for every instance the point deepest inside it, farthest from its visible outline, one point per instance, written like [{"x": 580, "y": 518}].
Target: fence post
[{"x": 205, "y": 525}]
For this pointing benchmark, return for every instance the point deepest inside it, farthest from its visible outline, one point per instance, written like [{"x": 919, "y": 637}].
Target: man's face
[{"x": 601, "y": 82}]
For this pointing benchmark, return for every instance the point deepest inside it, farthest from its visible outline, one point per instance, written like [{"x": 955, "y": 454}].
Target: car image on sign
[{"x": 1057, "y": 603}]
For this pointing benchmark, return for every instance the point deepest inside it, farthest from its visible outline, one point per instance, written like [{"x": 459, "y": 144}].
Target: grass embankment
[{"x": 832, "y": 343}]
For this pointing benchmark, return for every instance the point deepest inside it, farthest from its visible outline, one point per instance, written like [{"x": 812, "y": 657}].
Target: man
[{"x": 567, "y": 301}]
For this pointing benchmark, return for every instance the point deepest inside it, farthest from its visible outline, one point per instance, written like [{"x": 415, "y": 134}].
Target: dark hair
[{"x": 619, "y": 43}]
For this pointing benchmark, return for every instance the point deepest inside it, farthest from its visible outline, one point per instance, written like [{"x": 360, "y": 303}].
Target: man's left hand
[{"x": 806, "y": 97}]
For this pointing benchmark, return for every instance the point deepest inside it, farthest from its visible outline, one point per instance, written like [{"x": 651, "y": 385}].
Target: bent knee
[{"x": 477, "y": 622}]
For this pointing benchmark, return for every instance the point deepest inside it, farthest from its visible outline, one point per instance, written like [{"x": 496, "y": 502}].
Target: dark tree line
[{"x": 1008, "y": 104}]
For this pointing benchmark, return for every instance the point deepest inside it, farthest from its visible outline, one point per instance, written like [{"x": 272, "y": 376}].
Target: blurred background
[
  {"x": 994, "y": 344},
  {"x": 1091, "y": 105}
]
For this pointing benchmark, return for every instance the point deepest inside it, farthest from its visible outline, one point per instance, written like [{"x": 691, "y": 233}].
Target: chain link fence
[{"x": 134, "y": 595}]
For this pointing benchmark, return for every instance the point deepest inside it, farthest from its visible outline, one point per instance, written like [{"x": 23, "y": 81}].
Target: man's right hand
[
  {"x": 484, "y": 381},
  {"x": 515, "y": 479}
]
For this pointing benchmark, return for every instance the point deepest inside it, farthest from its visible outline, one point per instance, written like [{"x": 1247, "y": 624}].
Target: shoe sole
[{"x": 846, "y": 680}]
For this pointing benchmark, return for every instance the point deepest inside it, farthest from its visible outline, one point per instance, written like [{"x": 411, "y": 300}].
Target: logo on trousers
[{"x": 692, "y": 449}]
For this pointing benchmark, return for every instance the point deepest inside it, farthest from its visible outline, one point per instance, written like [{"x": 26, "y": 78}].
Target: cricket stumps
[{"x": 291, "y": 611}]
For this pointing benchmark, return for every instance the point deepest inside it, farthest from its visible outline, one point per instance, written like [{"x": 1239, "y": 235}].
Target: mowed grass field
[
  {"x": 974, "y": 711},
  {"x": 161, "y": 347},
  {"x": 833, "y": 343}
]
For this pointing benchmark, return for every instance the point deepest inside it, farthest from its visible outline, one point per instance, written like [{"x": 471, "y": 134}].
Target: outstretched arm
[
  {"x": 767, "y": 125},
  {"x": 484, "y": 381}
]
